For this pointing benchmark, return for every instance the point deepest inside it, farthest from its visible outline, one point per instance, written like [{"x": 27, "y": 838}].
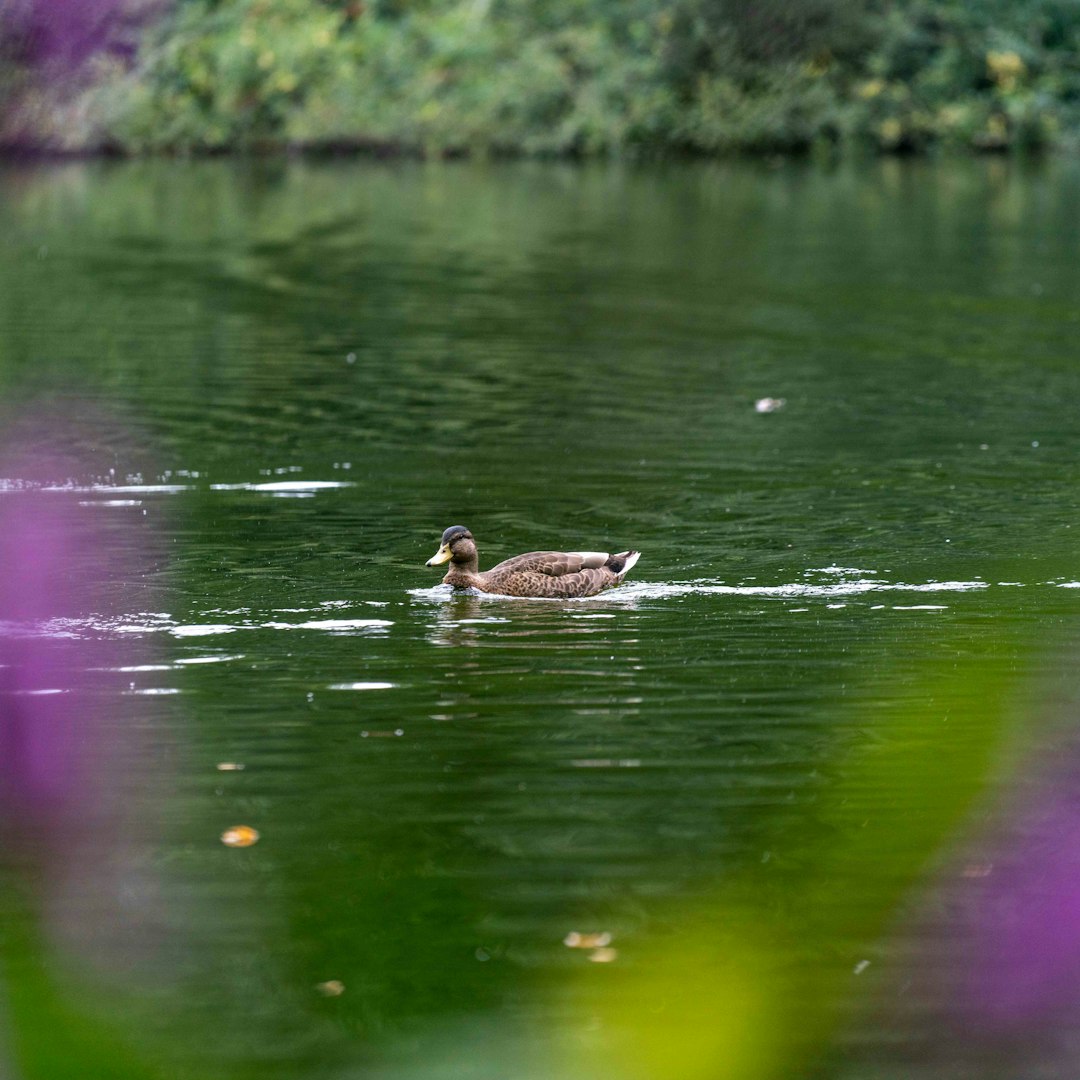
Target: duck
[{"x": 536, "y": 573}]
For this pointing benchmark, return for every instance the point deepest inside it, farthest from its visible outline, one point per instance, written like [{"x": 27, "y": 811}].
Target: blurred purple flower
[
  {"x": 68, "y": 741},
  {"x": 46, "y": 48},
  {"x": 42, "y": 736},
  {"x": 65, "y": 32},
  {"x": 986, "y": 980},
  {"x": 1022, "y": 917},
  {"x": 73, "y": 830}
]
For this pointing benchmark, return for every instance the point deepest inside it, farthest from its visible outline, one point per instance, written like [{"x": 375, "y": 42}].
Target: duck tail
[{"x": 623, "y": 563}]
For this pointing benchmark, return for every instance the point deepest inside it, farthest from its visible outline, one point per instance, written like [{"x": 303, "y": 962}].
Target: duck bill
[{"x": 440, "y": 556}]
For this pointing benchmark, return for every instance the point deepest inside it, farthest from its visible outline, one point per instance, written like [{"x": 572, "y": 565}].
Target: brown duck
[{"x": 538, "y": 573}]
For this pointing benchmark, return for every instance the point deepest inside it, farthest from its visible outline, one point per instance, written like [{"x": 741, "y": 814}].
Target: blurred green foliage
[
  {"x": 694, "y": 1005},
  {"x": 594, "y": 76}
]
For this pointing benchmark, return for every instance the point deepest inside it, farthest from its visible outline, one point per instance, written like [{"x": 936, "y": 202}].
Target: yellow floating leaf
[{"x": 240, "y": 836}]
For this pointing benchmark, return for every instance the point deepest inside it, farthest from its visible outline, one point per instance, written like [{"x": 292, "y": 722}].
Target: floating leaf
[
  {"x": 576, "y": 940},
  {"x": 603, "y": 955},
  {"x": 240, "y": 836}
]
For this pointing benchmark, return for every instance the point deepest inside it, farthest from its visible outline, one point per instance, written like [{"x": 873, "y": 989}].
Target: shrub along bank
[{"x": 563, "y": 77}]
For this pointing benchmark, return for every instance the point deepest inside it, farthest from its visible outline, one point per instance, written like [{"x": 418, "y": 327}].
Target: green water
[{"x": 287, "y": 379}]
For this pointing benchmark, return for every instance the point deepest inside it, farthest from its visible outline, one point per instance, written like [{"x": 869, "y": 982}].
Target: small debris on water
[
  {"x": 977, "y": 870},
  {"x": 769, "y": 404},
  {"x": 240, "y": 836},
  {"x": 577, "y": 940},
  {"x": 861, "y": 966},
  {"x": 230, "y": 766},
  {"x": 603, "y": 956},
  {"x": 331, "y": 988}
]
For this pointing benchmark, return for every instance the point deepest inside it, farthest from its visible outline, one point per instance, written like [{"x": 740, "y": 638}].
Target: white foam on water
[
  {"x": 124, "y": 489},
  {"x": 292, "y": 487},
  {"x": 362, "y": 686},
  {"x": 129, "y": 669},
  {"x": 634, "y": 591},
  {"x": 289, "y": 486},
  {"x": 208, "y": 659},
  {"x": 650, "y": 591},
  {"x": 334, "y": 625},
  {"x": 144, "y": 623}
]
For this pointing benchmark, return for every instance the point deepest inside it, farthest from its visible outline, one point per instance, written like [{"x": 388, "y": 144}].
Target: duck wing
[
  {"x": 552, "y": 563},
  {"x": 557, "y": 573}
]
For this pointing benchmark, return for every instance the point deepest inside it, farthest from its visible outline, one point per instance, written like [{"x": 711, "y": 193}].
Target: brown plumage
[{"x": 537, "y": 573}]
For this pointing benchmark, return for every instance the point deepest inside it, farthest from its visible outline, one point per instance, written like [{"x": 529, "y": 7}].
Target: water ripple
[
  {"x": 139, "y": 623},
  {"x": 633, "y": 592}
]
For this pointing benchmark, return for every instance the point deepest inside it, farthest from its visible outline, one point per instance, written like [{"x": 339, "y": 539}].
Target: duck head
[{"x": 457, "y": 545}]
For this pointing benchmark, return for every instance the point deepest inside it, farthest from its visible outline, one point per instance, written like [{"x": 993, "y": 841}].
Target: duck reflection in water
[{"x": 469, "y": 619}]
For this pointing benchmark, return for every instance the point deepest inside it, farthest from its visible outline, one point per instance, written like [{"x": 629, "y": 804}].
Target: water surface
[{"x": 272, "y": 386}]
